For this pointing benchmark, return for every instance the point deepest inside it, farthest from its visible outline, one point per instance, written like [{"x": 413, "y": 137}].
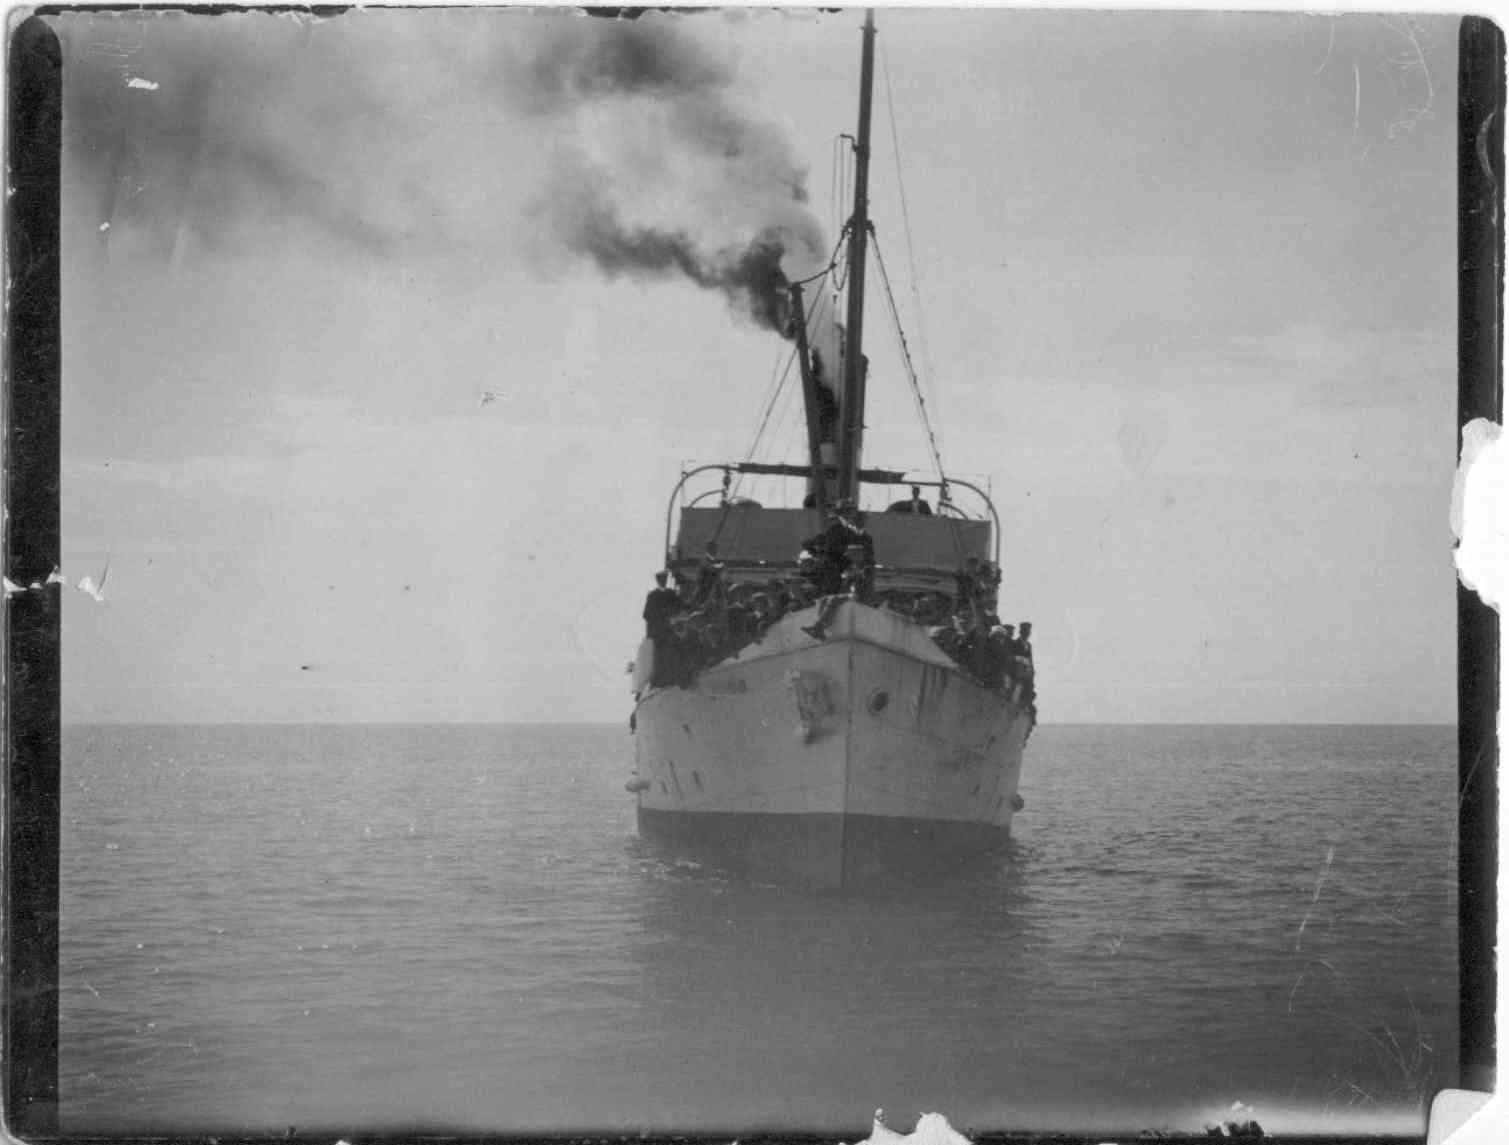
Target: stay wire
[
  {"x": 911, "y": 374},
  {"x": 785, "y": 372},
  {"x": 929, "y": 376},
  {"x": 906, "y": 225},
  {"x": 765, "y": 418},
  {"x": 906, "y": 358},
  {"x": 775, "y": 396},
  {"x": 772, "y": 392}
]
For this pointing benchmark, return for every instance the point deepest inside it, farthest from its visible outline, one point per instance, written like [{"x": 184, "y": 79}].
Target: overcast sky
[{"x": 1187, "y": 294}]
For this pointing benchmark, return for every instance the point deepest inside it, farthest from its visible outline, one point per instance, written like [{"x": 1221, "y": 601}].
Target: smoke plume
[
  {"x": 665, "y": 175},
  {"x": 188, "y": 126}
]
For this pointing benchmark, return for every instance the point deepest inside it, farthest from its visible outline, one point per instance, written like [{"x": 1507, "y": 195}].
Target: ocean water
[{"x": 346, "y": 928}]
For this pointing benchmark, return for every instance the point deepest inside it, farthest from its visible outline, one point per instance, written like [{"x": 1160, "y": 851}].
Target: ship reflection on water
[
  {"x": 789, "y": 1009},
  {"x": 1184, "y": 918},
  {"x": 1108, "y": 970}
]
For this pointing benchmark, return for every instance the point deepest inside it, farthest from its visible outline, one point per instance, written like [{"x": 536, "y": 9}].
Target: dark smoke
[
  {"x": 677, "y": 180},
  {"x": 750, "y": 277},
  {"x": 593, "y": 58},
  {"x": 216, "y": 145}
]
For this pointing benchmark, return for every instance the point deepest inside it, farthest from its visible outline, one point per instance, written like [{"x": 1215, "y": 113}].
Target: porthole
[{"x": 878, "y": 701}]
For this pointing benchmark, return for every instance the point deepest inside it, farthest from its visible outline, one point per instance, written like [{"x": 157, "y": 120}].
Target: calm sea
[{"x": 339, "y": 928}]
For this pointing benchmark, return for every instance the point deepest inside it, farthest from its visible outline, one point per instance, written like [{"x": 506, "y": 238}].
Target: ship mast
[{"x": 852, "y": 403}]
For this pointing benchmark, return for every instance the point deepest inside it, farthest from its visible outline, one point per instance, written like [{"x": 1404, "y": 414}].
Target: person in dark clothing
[
  {"x": 740, "y": 620},
  {"x": 964, "y": 639},
  {"x": 859, "y": 571},
  {"x": 964, "y": 585},
  {"x": 660, "y": 605},
  {"x": 715, "y": 639},
  {"x": 780, "y": 599},
  {"x": 1022, "y": 657},
  {"x": 827, "y": 550},
  {"x": 759, "y": 615},
  {"x": 843, "y": 531},
  {"x": 1008, "y": 636},
  {"x": 832, "y": 548},
  {"x": 849, "y": 513},
  {"x": 915, "y": 505},
  {"x": 988, "y": 587},
  {"x": 799, "y": 595},
  {"x": 694, "y": 651},
  {"x": 981, "y": 661},
  {"x": 999, "y": 643},
  {"x": 944, "y": 636},
  {"x": 709, "y": 577},
  {"x": 1024, "y": 641},
  {"x": 679, "y": 658}
]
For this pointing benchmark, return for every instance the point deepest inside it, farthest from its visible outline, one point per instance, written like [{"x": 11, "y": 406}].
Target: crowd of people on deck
[{"x": 705, "y": 618}]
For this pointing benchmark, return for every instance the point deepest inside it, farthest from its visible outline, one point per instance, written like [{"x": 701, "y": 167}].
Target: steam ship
[{"x": 828, "y": 719}]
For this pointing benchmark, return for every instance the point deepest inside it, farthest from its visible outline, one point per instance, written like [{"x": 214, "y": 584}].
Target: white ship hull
[{"x": 832, "y": 763}]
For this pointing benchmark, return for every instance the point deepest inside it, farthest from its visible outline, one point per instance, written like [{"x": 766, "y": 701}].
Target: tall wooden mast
[{"x": 852, "y": 404}]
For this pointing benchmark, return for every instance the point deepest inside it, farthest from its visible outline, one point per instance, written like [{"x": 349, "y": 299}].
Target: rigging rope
[
  {"x": 911, "y": 374},
  {"x": 840, "y": 266},
  {"x": 906, "y": 358},
  {"x": 812, "y": 307},
  {"x": 906, "y": 225},
  {"x": 911, "y": 254},
  {"x": 835, "y": 167},
  {"x": 772, "y": 392},
  {"x": 779, "y": 389},
  {"x": 769, "y": 409}
]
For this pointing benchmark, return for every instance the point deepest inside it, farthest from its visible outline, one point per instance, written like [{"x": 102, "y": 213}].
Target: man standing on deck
[
  {"x": 967, "y": 587},
  {"x": 1022, "y": 658},
  {"x": 827, "y": 549},
  {"x": 831, "y": 548},
  {"x": 659, "y": 606},
  {"x": 709, "y": 577}
]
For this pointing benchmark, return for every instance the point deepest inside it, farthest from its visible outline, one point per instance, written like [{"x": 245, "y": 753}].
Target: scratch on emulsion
[
  {"x": 1315, "y": 898},
  {"x": 1330, "y": 45},
  {"x": 1411, "y": 61},
  {"x": 1295, "y": 988}
]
